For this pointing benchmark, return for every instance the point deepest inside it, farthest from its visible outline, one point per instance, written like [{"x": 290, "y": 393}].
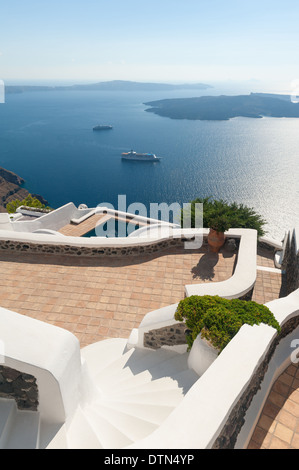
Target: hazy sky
[{"x": 153, "y": 40}]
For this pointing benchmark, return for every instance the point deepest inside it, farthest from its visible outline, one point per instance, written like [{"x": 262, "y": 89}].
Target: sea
[{"x": 48, "y": 139}]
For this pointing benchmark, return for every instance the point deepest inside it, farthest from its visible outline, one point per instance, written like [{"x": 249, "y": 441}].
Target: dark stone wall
[
  {"x": 166, "y": 336},
  {"x": 44, "y": 248},
  {"x": 19, "y": 386},
  {"x": 291, "y": 264}
]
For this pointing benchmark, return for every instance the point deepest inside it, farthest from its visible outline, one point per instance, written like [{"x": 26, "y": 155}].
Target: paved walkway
[
  {"x": 269, "y": 281},
  {"x": 278, "y": 426},
  {"x": 103, "y": 298}
]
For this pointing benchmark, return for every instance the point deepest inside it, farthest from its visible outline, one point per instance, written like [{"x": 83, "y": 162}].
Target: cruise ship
[{"x": 145, "y": 157}]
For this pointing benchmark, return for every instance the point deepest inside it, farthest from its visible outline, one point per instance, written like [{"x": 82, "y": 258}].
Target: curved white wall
[{"x": 51, "y": 355}]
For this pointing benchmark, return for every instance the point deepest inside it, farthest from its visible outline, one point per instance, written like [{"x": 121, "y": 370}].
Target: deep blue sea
[{"x": 47, "y": 138}]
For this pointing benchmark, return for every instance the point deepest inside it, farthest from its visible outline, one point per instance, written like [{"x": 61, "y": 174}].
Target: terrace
[
  {"x": 83, "y": 295},
  {"x": 103, "y": 294}
]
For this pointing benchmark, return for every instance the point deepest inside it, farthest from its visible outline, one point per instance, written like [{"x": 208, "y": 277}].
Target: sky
[{"x": 157, "y": 40}]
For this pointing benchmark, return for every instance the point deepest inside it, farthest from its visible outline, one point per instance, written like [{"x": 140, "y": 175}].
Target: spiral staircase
[{"x": 128, "y": 393}]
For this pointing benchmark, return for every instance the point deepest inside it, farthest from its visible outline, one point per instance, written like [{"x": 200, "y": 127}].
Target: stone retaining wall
[
  {"x": 291, "y": 264},
  {"x": 19, "y": 386},
  {"x": 64, "y": 249},
  {"x": 166, "y": 336}
]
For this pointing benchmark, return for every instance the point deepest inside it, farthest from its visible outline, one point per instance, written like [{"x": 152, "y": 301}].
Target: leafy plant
[
  {"x": 218, "y": 319},
  {"x": 221, "y": 215},
  {"x": 29, "y": 201},
  {"x": 220, "y": 224}
]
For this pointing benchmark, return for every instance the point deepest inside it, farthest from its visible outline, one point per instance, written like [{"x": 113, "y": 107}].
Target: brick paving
[
  {"x": 269, "y": 284},
  {"x": 278, "y": 425},
  {"x": 107, "y": 297}
]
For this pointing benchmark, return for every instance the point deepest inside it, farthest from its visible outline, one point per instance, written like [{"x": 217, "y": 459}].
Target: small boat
[
  {"x": 102, "y": 128},
  {"x": 145, "y": 157}
]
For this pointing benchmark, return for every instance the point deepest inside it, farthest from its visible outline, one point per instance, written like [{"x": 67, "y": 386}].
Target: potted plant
[
  {"x": 212, "y": 322},
  {"x": 219, "y": 216},
  {"x": 216, "y": 237}
]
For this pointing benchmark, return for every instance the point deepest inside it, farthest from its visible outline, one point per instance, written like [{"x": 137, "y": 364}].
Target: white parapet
[
  {"x": 244, "y": 276},
  {"x": 51, "y": 355}
]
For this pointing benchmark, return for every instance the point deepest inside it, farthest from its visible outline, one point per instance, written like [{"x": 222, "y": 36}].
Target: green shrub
[
  {"x": 221, "y": 215},
  {"x": 29, "y": 201},
  {"x": 218, "y": 319}
]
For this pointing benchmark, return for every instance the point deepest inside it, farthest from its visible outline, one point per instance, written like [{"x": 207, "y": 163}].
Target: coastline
[{"x": 11, "y": 188}]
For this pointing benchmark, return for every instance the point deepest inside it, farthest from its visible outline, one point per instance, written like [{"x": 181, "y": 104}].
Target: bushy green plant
[
  {"x": 29, "y": 201},
  {"x": 218, "y": 319},
  {"x": 221, "y": 215}
]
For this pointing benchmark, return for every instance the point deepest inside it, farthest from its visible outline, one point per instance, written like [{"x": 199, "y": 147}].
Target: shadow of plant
[{"x": 205, "y": 267}]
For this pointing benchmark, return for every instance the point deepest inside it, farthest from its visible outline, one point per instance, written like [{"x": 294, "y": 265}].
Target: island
[
  {"x": 254, "y": 105},
  {"x": 113, "y": 85},
  {"x": 11, "y": 188}
]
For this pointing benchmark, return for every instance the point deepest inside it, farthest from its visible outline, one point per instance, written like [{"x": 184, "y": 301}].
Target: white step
[
  {"x": 114, "y": 367},
  {"x": 123, "y": 381},
  {"x": 170, "y": 366},
  {"x": 132, "y": 427},
  {"x": 24, "y": 432},
  {"x": 119, "y": 375},
  {"x": 109, "y": 435},
  {"x": 146, "y": 359},
  {"x": 160, "y": 397},
  {"x": 58, "y": 441},
  {"x": 153, "y": 413},
  {"x": 99, "y": 355},
  {"x": 81, "y": 435},
  {"x": 165, "y": 383},
  {"x": 186, "y": 379},
  {"x": 7, "y": 413}
]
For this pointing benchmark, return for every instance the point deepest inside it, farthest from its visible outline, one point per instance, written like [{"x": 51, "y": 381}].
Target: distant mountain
[
  {"x": 115, "y": 85},
  {"x": 255, "y": 105}
]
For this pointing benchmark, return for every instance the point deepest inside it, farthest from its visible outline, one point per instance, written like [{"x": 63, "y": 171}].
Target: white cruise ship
[{"x": 140, "y": 156}]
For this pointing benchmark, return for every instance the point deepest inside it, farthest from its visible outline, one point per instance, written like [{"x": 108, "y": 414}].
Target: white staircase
[
  {"x": 133, "y": 392},
  {"x": 19, "y": 429}
]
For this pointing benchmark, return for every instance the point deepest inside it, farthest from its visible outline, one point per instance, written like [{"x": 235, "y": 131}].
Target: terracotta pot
[{"x": 215, "y": 240}]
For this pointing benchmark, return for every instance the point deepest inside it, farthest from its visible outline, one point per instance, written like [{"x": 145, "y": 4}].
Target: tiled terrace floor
[
  {"x": 101, "y": 298},
  {"x": 269, "y": 281},
  {"x": 278, "y": 426}
]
